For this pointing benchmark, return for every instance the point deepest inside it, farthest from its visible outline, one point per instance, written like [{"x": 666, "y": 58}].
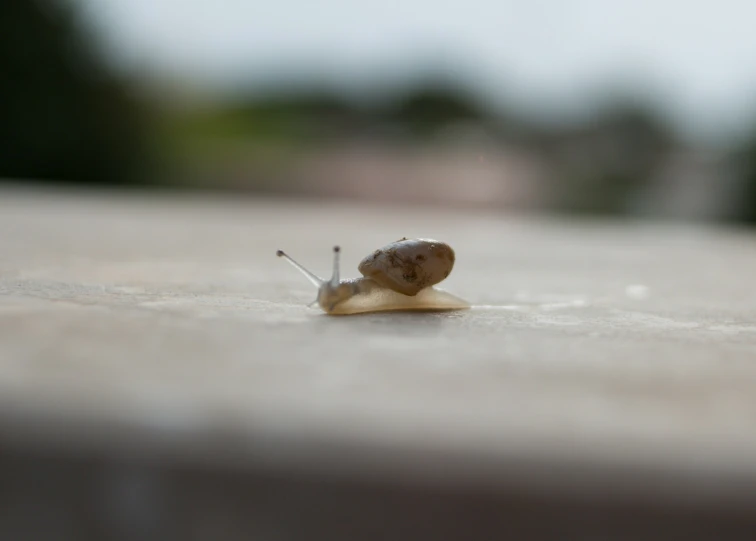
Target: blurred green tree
[
  {"x": 64, "y": 115},
  {"x": 429, "y": 107}
]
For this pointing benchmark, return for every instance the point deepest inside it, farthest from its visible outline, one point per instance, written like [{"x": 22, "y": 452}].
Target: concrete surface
[{"x": 608, "y": 364}]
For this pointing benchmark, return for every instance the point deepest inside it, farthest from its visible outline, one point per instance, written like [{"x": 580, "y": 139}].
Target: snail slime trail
[{"x": 398, "y": 277}]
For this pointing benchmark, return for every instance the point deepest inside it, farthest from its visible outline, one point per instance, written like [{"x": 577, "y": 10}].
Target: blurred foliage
[
  {"x": 318, "y": 117},
  {"x": 289, "y": 121},
  {"x": 248, "y": 143},
  {"x": 426, "y": 110},
  {"x": 65, "y": 115}
]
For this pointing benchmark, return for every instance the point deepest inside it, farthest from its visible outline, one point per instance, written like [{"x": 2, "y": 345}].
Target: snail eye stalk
[{"x": 315, "y": 279}]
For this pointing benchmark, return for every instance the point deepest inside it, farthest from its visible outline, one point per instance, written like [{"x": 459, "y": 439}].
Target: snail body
[{"x": 399, "y": 276}]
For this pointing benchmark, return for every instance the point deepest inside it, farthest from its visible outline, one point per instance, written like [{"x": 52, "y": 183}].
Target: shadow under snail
[{"x": 399, "y": 276}]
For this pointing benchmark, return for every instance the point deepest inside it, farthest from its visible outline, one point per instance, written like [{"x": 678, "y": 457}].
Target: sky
[{"x": 697, "y": 57}]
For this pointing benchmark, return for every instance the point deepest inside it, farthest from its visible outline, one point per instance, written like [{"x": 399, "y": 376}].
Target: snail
[{"x": 398, "y": 276}]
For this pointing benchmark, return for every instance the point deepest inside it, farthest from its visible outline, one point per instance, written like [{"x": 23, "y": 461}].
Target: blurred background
[{"x": 571, "y": 106}]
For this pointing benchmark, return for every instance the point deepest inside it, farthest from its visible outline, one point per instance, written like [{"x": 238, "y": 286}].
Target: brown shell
[{"x": 409, "y": 265}]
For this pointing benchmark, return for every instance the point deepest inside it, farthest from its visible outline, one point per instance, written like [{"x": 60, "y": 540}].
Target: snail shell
[{"x": 408, "y": 266}]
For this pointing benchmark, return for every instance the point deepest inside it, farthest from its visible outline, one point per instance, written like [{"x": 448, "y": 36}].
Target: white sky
[{"x": 700, "y": 55}]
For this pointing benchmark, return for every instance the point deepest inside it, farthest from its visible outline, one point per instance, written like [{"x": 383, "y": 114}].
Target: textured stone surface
[{"x": 599, "y": 358}]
